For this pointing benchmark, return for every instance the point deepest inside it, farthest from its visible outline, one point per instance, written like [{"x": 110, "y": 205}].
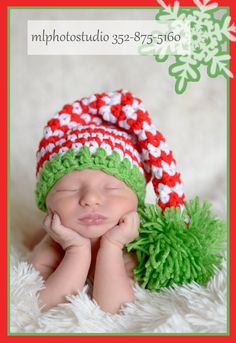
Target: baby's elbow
[
  {"x": 44, "y": 269},
  {"x": 114, "y": 306}
]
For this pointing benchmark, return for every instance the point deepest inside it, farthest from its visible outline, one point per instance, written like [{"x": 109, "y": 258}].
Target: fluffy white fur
[{"x": 187, "y": 309}]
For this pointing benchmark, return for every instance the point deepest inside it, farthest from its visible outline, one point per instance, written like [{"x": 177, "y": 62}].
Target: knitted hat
[{"x": 113, "y": 132}]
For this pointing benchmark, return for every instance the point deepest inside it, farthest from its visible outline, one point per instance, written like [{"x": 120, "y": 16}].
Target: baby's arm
[
  {"x": 46, "y": 256},
  {"x": 36, "y": 238},
  {"x": 72, "y": 272},
  {"x": 112, "y": 286}
]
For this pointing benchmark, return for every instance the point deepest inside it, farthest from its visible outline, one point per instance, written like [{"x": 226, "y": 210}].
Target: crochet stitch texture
[{"x": 115, "y": 121}]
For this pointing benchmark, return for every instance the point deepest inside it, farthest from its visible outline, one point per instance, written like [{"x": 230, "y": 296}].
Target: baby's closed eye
[
  {"x": 66, "y": 190},
  {"x": 114, "y": 184},
  {"x": 113, "y": 187}
]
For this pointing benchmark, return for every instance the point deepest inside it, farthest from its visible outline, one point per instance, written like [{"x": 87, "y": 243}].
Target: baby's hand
[
  {"x": 66, "y": 237},
  {"x": 126, "y": 231}
]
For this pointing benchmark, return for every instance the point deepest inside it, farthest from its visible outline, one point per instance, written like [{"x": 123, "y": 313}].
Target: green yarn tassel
[{"x": 169, "y": 251}]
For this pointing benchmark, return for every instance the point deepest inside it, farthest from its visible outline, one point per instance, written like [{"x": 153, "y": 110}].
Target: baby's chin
[
  {"x": 93, "y": 231},
  {"x": 92, "y": 235}
]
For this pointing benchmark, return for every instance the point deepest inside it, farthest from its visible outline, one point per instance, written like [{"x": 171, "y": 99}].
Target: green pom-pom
[{"x": 170, "y": 251}]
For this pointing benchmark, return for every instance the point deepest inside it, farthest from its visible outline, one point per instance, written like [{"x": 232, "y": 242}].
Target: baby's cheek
[
  {"x": 120, "y": 207},
  {"x": 130, "y": 203},
  {"x": 62, "y": 207}
]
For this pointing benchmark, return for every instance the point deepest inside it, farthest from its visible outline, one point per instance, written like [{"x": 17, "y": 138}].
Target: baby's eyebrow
[{"x": 114, "y": 183}]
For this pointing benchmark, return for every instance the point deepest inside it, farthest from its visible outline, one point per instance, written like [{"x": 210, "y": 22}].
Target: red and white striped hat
[{"x": 114, "y": 133}]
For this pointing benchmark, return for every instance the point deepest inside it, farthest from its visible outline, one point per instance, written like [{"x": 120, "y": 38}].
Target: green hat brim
[{"x": 52, "y": 171}]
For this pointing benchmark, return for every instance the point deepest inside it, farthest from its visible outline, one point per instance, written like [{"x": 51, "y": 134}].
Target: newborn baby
[
  {"x": 93, "y": 163},
  {"x": 90, "y": 217}
]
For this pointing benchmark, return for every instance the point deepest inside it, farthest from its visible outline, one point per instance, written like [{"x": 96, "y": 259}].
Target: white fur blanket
[{"x": 186, "y": 309}]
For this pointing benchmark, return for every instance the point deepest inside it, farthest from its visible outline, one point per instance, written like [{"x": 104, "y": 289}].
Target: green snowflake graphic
[{"x": 209, "y": 41}]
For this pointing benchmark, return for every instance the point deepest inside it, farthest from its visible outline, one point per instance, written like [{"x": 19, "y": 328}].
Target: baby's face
[{"x": 91, "y": 202}]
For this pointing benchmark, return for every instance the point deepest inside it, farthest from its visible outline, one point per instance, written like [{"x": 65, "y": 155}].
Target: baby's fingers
[
  {"x": 56, "y": 225},
  {"x": 136, "y": 219},
  {"x": 134, "y": 225},
  {"x": 47, "y": 222},
  {"x": 132, "y": 218}
]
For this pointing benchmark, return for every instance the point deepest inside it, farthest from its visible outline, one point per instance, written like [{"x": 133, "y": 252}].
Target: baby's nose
[{"x": 90, "y": 198}]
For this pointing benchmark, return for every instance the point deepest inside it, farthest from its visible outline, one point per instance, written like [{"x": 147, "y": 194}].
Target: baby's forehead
[{"x": 87, "y": 175}]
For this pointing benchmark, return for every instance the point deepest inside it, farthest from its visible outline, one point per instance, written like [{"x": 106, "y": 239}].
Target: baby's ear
[{"x": 171, "y": 252}]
